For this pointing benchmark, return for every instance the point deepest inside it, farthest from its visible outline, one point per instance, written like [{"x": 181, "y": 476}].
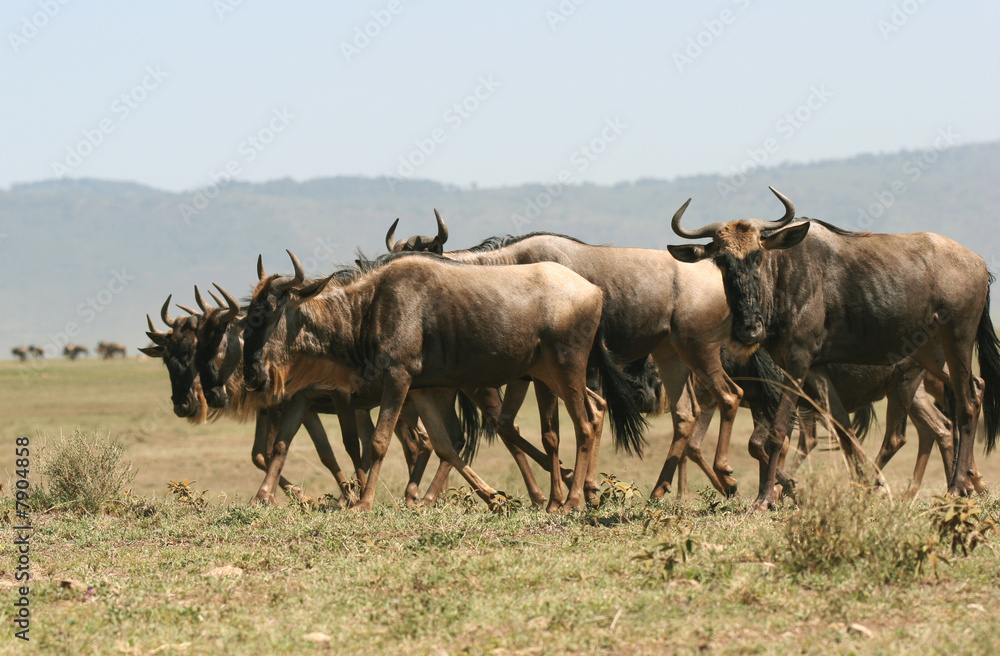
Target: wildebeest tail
[
  {"x": 652, "y": 394},
  {"x": 473, "y": 428},
  {"x": 989, "y": 369},
  {"x": 622, "y": 394},
  {"x": 862, "y": 420}
]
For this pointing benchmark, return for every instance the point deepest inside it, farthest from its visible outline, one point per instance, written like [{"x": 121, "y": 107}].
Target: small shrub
[
  {"x": 960, "y": 522},
  {"x": 838, "y": 524},
  {"x": 614, "y": 490},
  {"x": 182, "y": 490},
  {"x": 462, "y": 497},
  {"x": 84, "y": 471},
  {"x": 506, "y": 505}
]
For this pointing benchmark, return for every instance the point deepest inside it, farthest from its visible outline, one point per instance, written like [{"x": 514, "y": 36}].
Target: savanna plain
[{"x": 191, "y": 568}]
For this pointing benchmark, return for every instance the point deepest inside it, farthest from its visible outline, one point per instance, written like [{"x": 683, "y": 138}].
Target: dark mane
[
  {"x": 832, "y": 228},
  {"x": 496, "y": 243}
]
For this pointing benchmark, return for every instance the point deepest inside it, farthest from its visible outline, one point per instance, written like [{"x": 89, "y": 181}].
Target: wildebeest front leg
[
  {"x": 350, "y": 436},
  {"x": 413, "y": 438},
  {"x": 768, "y": 438},
  {"x": 437, "y": 409},
  {"x": 292, "y": 413},
  {"x": 263, "y": 444},
  {"x": 394, "y": 389},
  {"x": 314, "y": 427},
  {"x": 704, "y": 360},
  {"x": 684, "y": 413},
  {"x": 501, "y": 415}
]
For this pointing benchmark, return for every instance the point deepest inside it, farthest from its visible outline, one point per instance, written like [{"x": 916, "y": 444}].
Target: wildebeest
[
  {"x": 20, "y": 352},
  {"x": 73, "y": 351},
  {"x": 813, "y": 294},
  {"x": 218, "y": 363},
  {"x": 487, "y": 399},
  {"x": 418, "y": 242},
  {"x": 36, "y": 352},
  {"x": 655, "y": 306},
  {"x": 428, "y": 323},
  {"x": 178, "y": 346},
  {"x": 108, "y": 350}
]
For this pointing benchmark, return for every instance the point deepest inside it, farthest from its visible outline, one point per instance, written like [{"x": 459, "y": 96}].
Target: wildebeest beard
[{"x": 741, "y": 278}]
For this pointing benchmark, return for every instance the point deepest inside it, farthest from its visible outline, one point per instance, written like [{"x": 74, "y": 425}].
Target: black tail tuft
[
  {"x": 652, "y": 394},
  {"x": 862, "y": 421},
  {"x": 472, "y": 428},
  {"x": 989, "y": 369},
  {"x": 622, "y": 394}
]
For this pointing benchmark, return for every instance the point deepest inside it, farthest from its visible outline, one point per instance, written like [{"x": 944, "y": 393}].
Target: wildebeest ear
[
  {"x": 160, "y": 339},
  {"x": 690, "y": 252},
  {"x": 786, "y": 237},
  {"x": 153, "y": 351},
  {"x": 311, "y": 289}
]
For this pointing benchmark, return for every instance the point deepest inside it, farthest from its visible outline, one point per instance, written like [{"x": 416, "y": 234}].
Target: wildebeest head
[
  {"x": 270, "y": 299},
  {"x": 418, "y": 242},
  {"x": 213, "y": 335},
  {"x": 177, "y": 348},
  {"x": 740, "y": 250}
]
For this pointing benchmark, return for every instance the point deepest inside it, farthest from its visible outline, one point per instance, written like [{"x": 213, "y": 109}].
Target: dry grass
[{"x": 831, "y": 575}]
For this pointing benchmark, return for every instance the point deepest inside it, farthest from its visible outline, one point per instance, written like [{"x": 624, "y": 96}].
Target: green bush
[
  {"x": 839, "y": 524},
  {"x": 84, "y": 471}
]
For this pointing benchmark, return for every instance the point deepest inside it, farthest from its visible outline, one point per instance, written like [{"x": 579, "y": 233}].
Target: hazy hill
[{"x": 101, "y": 254}]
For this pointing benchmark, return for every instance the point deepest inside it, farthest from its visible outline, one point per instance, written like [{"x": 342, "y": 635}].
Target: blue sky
[{"x": 170, "y": 94}]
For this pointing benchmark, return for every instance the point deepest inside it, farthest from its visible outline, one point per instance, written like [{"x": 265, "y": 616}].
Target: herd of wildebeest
[
  {"x": 106, "y": 350},
  {"x": 800, "y": 321}
]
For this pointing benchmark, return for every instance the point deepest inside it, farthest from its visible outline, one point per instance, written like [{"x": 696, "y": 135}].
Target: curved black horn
[
  {"x": 153, "y": 328},
  {"x": 300, "y": 274},
  {"x": 442, "y": 235},
  {"x": 215, "y": 297},
  {"x": 200, "y": 299},
  {"x": 187, "y": 309},
  {"x": 706, "y": 231},
  {"x": 789, "y": 210},
  {"x": 163, "y": 313},
  {"x": 234, "y": 306},
  {"x": 260, "y": 268},
  {"x": 390, "y": 240}
]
